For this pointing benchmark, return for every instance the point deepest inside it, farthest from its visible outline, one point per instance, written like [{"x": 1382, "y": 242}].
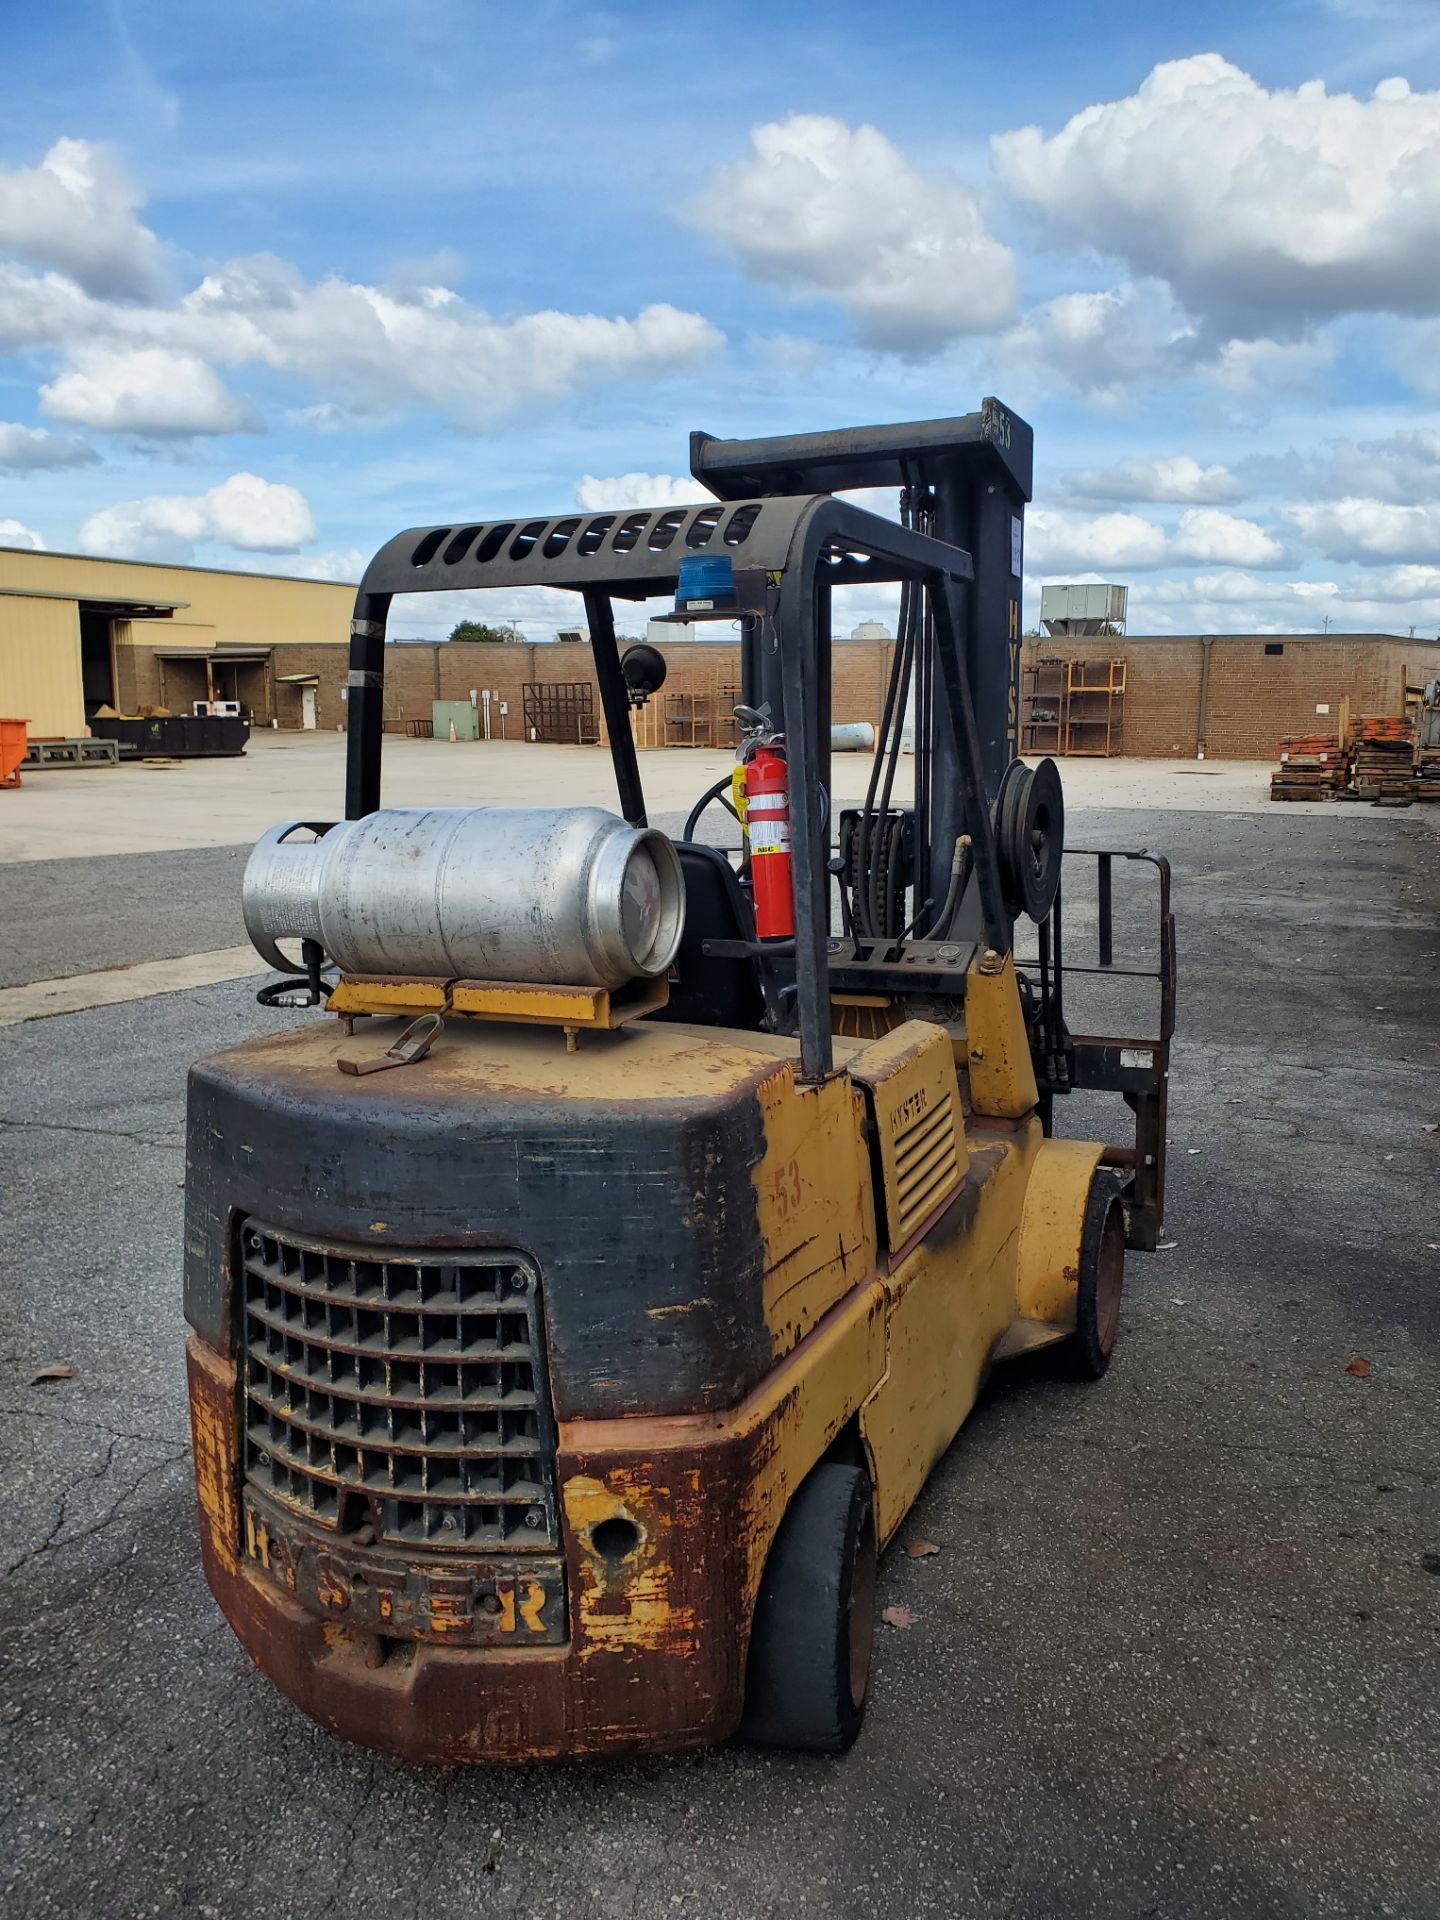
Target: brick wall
[
  {"x": 416, "y": 675},
  {"x": 1254, "y": 697},
  {"x": 329, "y": 664}
]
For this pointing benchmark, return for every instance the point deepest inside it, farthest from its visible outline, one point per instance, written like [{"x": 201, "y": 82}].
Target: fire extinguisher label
[
  {"x": 769, "y": 802},
  {"x": 768, "y": 836}
]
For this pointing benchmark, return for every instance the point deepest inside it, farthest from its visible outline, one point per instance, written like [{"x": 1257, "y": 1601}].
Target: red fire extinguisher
[{"x": 767, "y": 820}]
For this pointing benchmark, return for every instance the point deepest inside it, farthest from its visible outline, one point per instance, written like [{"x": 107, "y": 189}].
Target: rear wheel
[
  {"x": 814, "y": 1626},
  {"x": 1102, "y": 1279}
]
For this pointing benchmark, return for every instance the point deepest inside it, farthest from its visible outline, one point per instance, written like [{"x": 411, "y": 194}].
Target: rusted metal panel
[
  {"x": 658, "y": 1631},
  {"x": 654, "y": 1660},
  {"x": 498, "y": 1602}
]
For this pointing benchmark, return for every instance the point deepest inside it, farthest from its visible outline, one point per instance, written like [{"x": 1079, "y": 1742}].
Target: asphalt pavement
[{"x": 1176, "y": 1657}]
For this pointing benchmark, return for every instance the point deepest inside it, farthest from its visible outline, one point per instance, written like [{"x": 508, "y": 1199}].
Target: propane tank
[
  {"x": 556, "y": 895},
  {"x": 767, "y": 821}
]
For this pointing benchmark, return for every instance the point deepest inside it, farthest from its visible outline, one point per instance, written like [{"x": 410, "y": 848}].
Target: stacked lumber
[
  {"x": 1313, "y": 766},
  {"x": 1384, "y": 761}
]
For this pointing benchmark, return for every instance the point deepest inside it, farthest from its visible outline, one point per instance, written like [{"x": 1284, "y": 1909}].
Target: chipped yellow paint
[
  {"x": 363, "y": 993},
  {"x": 506, "y": 1001},
  {"x": 629, "y": 1603},
  {"x": 1050, "y": 1230},
  {"x": 476, "y": 1061},
  {"x": 257, "y": 1539},
  {"x": 791, "y": 1418},
  {"x": 214, "y": 1453},
  {"x": 813, "y": 1198},
  {"x": 1002, "y": 1075}
]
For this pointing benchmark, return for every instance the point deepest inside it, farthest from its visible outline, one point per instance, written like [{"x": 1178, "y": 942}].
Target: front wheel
[
  {"x": 1102, "y": 1278},
  {"x": 814, "y": 1626}
]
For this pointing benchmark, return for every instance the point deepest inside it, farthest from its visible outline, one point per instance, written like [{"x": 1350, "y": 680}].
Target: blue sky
[{"x": 278, "y": 280}]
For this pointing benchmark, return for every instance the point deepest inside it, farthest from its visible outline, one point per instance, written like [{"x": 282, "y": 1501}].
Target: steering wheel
[{"x": 720, "y": 791}]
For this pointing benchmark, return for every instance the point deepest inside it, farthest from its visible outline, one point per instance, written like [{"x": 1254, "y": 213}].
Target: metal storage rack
[
  {"x": 1045, "y": 706},
  {"x": 1094, "y": 707},
  {"x": 698, "y": 714},
  {"x": 1074, "y": 707},
  {"x": 560, "y": 712}
]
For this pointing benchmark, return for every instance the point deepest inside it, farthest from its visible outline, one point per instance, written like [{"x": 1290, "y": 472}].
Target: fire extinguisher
[{"x": 767, "y": 822}]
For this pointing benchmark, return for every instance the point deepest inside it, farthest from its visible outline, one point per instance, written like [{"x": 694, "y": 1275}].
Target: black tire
[
  {"x": 1102, "y": 1280},
  {"x": 814, "y": 1626}
]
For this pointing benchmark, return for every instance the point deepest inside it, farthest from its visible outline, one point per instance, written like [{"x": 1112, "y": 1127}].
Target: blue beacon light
[{"x": 706, "y": 583}]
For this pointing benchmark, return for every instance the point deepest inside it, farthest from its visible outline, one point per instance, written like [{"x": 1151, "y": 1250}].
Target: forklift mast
[{"x": 971, "y": 478}]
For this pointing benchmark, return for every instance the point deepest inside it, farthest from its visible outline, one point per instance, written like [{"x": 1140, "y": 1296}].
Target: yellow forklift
[{"x": 580, "y": 1301}]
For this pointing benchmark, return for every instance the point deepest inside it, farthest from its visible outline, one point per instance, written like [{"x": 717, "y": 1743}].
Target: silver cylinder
[
  {"x": 556, "y": 895},
  {"x": 852, "y": 736}
]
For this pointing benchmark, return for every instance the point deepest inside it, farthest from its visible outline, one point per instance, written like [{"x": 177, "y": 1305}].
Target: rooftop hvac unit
[{"x": 1090, "y": 608}]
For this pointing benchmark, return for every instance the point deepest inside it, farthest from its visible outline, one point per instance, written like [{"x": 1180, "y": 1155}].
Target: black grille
[{"x": 407, "y": 1392}]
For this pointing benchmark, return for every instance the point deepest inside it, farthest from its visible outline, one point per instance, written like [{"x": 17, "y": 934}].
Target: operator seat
[{"x": 711, "y": 990}]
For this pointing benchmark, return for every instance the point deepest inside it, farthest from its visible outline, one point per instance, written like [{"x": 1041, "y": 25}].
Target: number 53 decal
[{"x": 787, "y": 1189}]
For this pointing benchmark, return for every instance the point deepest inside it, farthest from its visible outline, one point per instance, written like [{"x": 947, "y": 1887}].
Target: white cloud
[
  {"x": 639, "y": 490},
  {"x": 1174, "y": 478},
  {"x": 152, "y": 391},
  {"x": 1103, "y": 343},
  {"x": 13, "y": 534},
  {"x": 1106, "y": 343},
  {"x": 1056, "y": 541},
  {"x": 1113, "y": 544},
  {"x": 344, "y": 564},
  {"x": 379, "y": 351},
  {"x": 1392, "y": 600},
  {"x": 1209, "y": 536},
  {"x": 1404, "y": 467},
  {"x": 1263, "y": 209},
  {"x": 363, "y": 348},
  {"x": 828, "y": 211},
  {"x": 93, "y": 289},
  {"x": 325, "y": 417},
  {"x": 75, "y": 212},
  {"x": 1360, "y": 529},
  {"x": 1266, "y": 366},
  {"x": 254, "y": 515},
  {"x": 33, "y": 450}
]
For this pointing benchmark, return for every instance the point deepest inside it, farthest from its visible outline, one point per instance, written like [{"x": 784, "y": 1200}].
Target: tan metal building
[{"x": 77, "y": 633}]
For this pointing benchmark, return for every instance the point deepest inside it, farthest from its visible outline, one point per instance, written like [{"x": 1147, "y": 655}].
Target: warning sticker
[{"x": 769, "y": 836}]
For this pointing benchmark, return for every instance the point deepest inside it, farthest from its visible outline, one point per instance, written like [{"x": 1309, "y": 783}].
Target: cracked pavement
[{"x": 1176, "y": 1658}]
